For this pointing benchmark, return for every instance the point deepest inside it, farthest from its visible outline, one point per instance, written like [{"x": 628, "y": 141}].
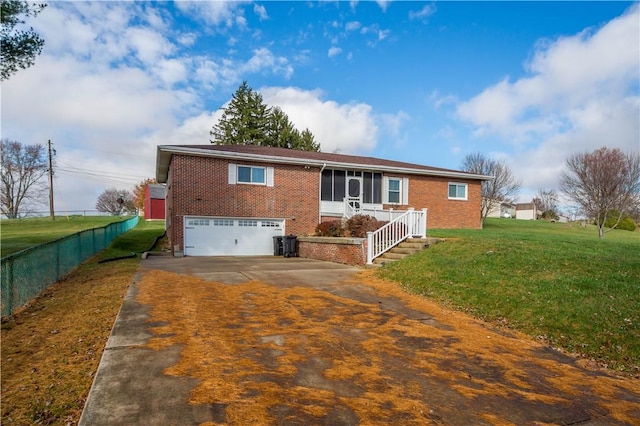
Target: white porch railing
[
  {"x": 352, "y": 206},
  {"x": 410, "y": 224}
]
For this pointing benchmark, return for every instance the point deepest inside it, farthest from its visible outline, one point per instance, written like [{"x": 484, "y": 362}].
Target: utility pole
[{"x": 51, "y": 209}]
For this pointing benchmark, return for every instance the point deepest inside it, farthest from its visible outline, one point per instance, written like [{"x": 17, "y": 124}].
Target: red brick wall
[
  {"x": 200, "y": 186},
  {"x": 352, "y": 253},
  {"x": 432, "y": 193}
]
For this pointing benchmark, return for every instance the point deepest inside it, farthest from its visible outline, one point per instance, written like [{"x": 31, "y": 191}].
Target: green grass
[
  {"x": 556, "y": 282},
  {"x": 137, "y": 240},
  {"x": 19, "y": 234},
  {"x": 46, "y": 376}
]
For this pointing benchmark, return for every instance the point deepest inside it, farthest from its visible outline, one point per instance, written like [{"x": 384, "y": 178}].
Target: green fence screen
[{"x": 26, "y": 273}]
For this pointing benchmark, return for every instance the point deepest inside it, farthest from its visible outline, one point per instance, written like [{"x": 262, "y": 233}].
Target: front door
[{"x": 354, "y": 193}]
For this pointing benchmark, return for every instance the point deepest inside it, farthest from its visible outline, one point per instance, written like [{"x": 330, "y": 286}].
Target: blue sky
[{"x": 529, "y": 83}]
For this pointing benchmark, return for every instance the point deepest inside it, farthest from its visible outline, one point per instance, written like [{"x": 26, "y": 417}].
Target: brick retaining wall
[{"x": 350, "y": 251}]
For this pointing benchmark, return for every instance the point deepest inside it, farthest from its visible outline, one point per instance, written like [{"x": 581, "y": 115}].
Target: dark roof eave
[{"x": 165, "y": 152}]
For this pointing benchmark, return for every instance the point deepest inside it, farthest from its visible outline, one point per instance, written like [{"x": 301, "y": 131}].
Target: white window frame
[
  {"x": 457, "y": 185},
  {"x": 233, "y": 175},
  {"x": 404, "y": 190}
]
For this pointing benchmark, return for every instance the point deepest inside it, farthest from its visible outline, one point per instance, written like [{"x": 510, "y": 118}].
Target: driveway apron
[{"x": 271, "y": 340}]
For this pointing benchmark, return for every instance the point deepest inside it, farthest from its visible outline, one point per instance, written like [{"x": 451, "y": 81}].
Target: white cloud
[
  {"x": 333, "y": 51},
  {"x": 261, "y": 11},
  {"x": 352, "y": 26},
  {"x": 377, "y": 32},
  {"x": 423, "y": 13},
  {"x": 104, "y": 91},
  {"x": 384, "y": 4},
  {"x": 148, "y": 44},
  {"x": 217, "y": 13},
  {"x": 226, "y": 72},
  {"x": 349, "y": 128},
  {"x": 564, "y": 75},
  {"x": 579, "y": 94}
]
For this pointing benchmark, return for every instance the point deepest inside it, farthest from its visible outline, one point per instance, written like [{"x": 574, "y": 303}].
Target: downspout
[{"x": 320, "y": 193}]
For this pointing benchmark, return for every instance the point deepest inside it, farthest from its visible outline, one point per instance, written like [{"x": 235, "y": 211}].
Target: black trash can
[
  {"x": 290, "y": 244},
  {"x": 278, "y": 249}
]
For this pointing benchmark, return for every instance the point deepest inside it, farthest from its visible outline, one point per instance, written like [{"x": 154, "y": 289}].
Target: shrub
[
  {"x": 626, "y": 224},
  {"x": 359, "y": 225},
  {"x": 332, "y": 228}
]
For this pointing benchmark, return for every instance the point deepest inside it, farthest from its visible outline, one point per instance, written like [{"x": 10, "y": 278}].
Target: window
[
  {"x": 372, "y": 187},
  {"x": 270, "y": 224},
  {"x": 222, "y": 222},
  {"x": 332, "y": 185},
  {"x": 394, "y": 190},
  {"x": 457, "y": 191},
  {"x": 249, "y": 223},
  {"x": 252, "y": 175},
  {"x": 198, "y": 222},
  {"x": 247, "y": 174}
]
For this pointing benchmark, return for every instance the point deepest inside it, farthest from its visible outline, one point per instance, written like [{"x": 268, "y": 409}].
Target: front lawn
[{"x": 557, "y": 282}]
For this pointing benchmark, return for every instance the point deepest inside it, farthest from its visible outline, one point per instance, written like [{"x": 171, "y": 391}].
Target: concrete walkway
[{"x": 358, "y": 354}]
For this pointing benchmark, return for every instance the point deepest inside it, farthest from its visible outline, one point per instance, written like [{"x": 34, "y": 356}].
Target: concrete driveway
[{"x": 267, "y": 340}]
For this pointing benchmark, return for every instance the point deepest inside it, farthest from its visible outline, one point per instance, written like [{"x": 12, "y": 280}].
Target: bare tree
[
  {"x": 601, "y": 182},
  {"x": 116, "y": 202},
  {"x": 502, "y": 189},
  {"x": 546, "y": 201},
  {"x": 22, "y": 168}
]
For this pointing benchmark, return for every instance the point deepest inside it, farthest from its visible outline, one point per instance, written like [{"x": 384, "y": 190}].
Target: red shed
[{"x": 154, "y": 201}]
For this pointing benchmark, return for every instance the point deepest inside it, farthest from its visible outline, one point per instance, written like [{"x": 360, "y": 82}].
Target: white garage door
[{"x": 205, "y": 236}]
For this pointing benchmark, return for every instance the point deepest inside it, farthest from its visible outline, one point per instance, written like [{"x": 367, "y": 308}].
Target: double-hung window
[
  {"x": 457, "y": 191},
  {"x": 396, "y": 190},
  {"x": 252, "y": 175}
]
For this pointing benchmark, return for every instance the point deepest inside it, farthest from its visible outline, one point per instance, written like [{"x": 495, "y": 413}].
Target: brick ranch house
[{"x": 233, "y": 199}]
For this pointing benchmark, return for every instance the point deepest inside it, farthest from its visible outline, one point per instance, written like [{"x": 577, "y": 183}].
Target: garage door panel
[{"x": 230, "y": 236}]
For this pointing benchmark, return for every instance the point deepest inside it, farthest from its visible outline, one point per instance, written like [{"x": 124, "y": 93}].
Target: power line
[
  {"x": 90, "y": 173},
  {"x": 103, "y": 178},
  {"x": 72, "y": 167}
]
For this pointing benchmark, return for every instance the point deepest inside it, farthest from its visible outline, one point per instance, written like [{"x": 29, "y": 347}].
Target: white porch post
[
  {"x": 424, "y": 223},
  {"x": 369, "y": 248},
  {"x": 411, "y": 222}
]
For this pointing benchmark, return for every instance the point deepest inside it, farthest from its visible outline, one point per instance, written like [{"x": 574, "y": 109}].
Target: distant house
[
  {"x": 506, "y": 210},
  {"x": 154, "y": 201},
  {"x": 526, "y": 211}
]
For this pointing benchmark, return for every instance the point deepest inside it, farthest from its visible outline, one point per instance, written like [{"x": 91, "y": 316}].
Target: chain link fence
[{"x": 26, "y": 273}]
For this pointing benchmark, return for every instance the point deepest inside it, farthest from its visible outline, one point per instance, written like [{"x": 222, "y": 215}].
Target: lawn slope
[
  {"x": 556, "y": 282},
  {"x": 19, "y": 234},
  {"x": 51, "y": 350}
]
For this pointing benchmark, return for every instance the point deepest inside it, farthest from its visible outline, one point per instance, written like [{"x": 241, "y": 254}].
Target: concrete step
[
  {"x": 419, "y": 240},
  {"x": 392, "y": 255},
  {"x": 416, "y": 246},
  {"x": 379, "y": 261},
  {"x": 404, "y": 250}
]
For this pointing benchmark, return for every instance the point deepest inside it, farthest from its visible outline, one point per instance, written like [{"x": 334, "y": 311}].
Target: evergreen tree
[
  {"x": 308, "y": 141},
  {"x": 248, "y": 121},
  {"x": 244, "y": 121},
  {"x": 281, "y": 132},
  {"x": 19, "y": 47}
]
